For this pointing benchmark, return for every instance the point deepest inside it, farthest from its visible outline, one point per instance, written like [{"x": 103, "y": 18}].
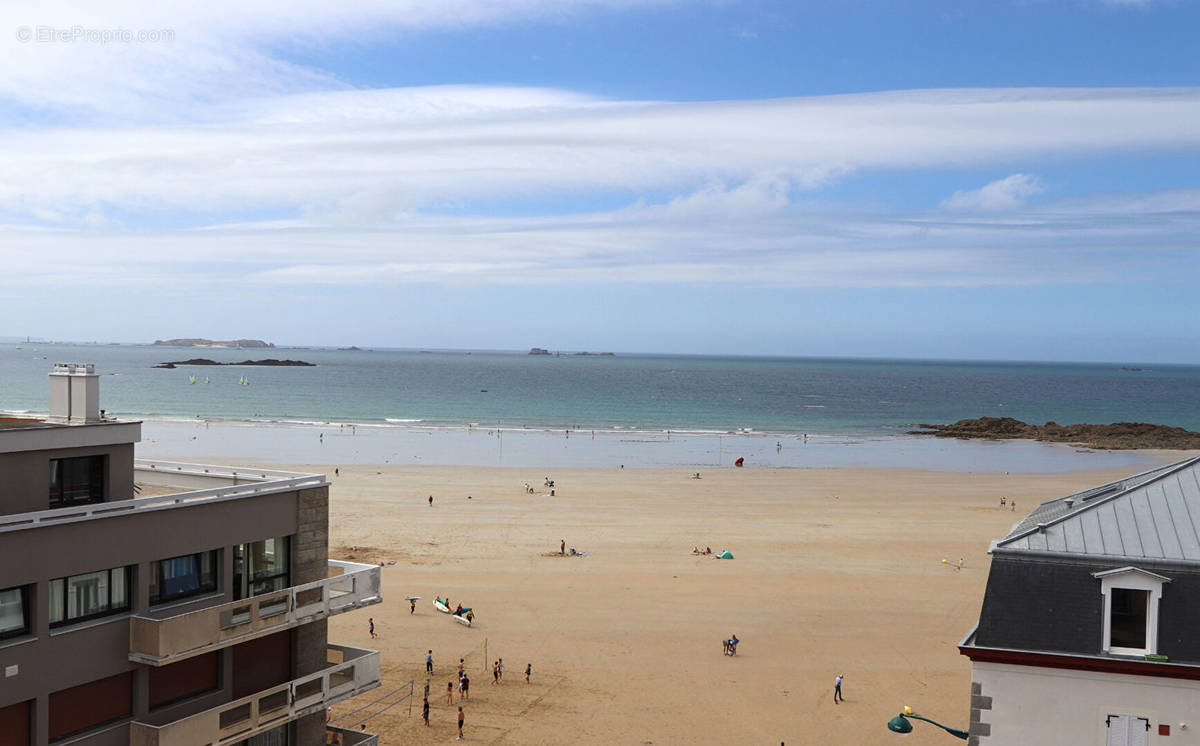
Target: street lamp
[{"x": 900, "y": 724}]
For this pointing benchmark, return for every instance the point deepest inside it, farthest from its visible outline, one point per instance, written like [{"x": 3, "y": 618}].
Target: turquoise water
[{"x": 643, "y": 392}]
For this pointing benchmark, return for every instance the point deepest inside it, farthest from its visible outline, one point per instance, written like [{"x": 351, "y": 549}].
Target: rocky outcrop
[
  {"x": 206, "y": 361},
  {"x": 1119, "y": 435}
]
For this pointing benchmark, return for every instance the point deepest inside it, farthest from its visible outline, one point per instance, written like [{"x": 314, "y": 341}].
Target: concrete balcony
[
  {"x": 335, "y": 736},
  {"x": 159, "y": 640},
  {"x": 356, "y": 672}
]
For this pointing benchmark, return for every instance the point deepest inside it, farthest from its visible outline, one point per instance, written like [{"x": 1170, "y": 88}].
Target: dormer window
[{"x": 1131, "y": 597}]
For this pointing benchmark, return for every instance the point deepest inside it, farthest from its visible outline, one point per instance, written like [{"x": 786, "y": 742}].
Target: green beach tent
[{"x": 725, "y": 555}]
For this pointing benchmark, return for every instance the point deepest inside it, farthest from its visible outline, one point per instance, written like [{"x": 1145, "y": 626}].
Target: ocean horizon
[
  {"x": 701, "y": 394},
  {"x": 641, "y": 411}
]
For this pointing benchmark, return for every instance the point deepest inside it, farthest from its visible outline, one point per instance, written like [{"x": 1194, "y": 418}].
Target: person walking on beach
[
  {"x": 466, "y": 687},
  {"x": 460, "y": 724},
  {"x": 562, "y": 546},
  {"x": 431, "y": 501},
  {"x": 425, "y": 710},
  {"x": 449, "y": 692},
  {"x": 500, "y": 670},
  {"x": 461, "y": 661},
  {"x": 429, "y": 662},
  {"x": 412, "y": 606},
  {"x": 837, "y": 690},
  {"x": 528, "y": 670},
  {"x": 461, "y": 691},
  {"x": 371, "y": 627},
  {"x": 495, "y": 673}
]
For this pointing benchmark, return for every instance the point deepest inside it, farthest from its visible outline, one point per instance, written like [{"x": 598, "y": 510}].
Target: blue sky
[{"x": 1014, "y": 180}]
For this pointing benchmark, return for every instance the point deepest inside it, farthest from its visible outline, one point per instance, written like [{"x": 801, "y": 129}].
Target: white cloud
[
  {"x": 371, "y": 156},
  {"x": 702, "y": 239},
  {"x": 1003, "y": 194},
  {"x": 219, "y": 50}
]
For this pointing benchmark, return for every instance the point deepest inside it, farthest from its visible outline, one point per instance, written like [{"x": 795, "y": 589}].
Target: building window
[
  {"x": 90, "y": 705},
  {"x": 76, "y": 481},
  {"x": 1128, "y": 618},
  {"x": 261, "y": 567},
  {"x": 88, "y": 596},
  {"x": 14, "y": 612},
  {"x": 1127, "y": 730},
  {"x": 180, "y": 577},
  {"x": 185, "y": 679},
  {"x": 1131, "y": 597},
  {"x": 15, "y": 722}
]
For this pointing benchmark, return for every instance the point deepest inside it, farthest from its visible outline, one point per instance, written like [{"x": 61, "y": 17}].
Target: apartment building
[
  {"x": 1087, "y": 635},
  {"x": 162, "y": 604}
]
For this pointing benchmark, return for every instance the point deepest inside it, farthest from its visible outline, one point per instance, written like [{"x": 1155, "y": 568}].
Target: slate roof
[{"x": 1152, "y": 515}]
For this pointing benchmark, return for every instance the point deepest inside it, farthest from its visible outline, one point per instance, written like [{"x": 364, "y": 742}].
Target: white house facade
[{"x": 1089, "y": 634}]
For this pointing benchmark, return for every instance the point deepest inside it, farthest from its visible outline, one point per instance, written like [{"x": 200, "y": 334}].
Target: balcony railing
[
  {"x": 335, "y": 736},
  {"x": 158, "y": 641},
  {"x": 357, "y": 672},
  {"x": 257, "y": 482}
]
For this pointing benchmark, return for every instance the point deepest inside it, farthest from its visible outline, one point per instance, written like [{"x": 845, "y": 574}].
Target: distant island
[
  {"x": 234, "y": 343},
  {"x": 206, "y": 361},
  {"x": 540, "y": 351},
  {"x": 1117, "y": 436}
]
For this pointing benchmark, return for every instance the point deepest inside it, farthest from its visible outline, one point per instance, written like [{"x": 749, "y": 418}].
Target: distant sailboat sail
[
  {"x": 206, "y": 380},
  {"x": 191, "y": 379}
]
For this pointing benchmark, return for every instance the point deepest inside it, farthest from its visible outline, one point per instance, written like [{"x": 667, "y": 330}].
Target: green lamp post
[{"x": 900, "y": 724}]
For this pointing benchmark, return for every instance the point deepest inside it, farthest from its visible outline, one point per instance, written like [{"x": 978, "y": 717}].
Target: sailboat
[
  {"x": 206, "y": 380},
  {"x": 191, "y": 380},
  {"x": 243, "y": 381}
]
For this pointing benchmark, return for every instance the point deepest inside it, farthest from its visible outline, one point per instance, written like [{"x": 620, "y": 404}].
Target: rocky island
[
  {"x": 206, "y": 361},
  {"x": 1117, "y": 436}
]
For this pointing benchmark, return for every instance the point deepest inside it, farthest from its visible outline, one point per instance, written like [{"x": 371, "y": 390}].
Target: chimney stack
[{"x": 74, "y": 394}]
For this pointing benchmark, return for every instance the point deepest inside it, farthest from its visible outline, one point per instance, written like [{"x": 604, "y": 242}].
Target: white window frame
[{"x": 1134, "y": 579}]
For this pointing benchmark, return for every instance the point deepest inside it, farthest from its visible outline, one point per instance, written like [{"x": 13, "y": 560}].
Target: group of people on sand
[
  {"x": 466, "y": 613},
  {"x": 706, "y": 550},
  {"x": 464, "y": 687}
]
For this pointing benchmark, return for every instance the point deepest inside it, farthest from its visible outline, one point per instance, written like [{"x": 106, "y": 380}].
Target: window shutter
[
  {"x": 1118, "y": 730},
  {"x": 1139, "y": 731}
]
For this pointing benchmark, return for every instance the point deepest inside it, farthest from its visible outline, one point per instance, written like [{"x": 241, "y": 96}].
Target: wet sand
[{"x": 835, "y": 571}]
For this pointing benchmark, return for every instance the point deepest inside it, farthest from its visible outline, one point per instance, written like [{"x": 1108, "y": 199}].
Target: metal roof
[{"x": 1152, "y": 515}]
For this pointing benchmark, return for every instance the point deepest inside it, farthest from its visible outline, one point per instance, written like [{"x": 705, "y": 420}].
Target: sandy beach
[{"x": 835, "y": 571}]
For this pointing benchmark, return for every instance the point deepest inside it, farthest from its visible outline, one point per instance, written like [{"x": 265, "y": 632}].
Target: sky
[{"x": 1010, "y": 179}]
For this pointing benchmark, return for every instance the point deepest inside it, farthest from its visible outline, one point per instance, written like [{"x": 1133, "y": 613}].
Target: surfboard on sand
[
  {"x": 461, "y": 619},
  {"x": 441, "y": 607},
  {"x": 412, "y": 598}
]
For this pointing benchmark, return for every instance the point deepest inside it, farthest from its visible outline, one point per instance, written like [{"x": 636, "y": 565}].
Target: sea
[{"x": 466, "y": 407}]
